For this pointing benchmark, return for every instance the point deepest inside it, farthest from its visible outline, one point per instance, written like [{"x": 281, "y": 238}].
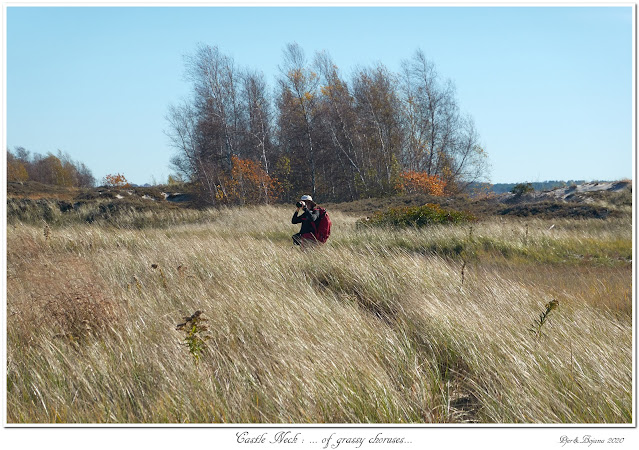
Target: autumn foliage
[
  {"x": 16, "y": 171},
  {"x": 411, "y": 182},
  {"x": 50, "y": 169},
  {"x": 376, "y": 134},
  {"x": 116, "y": 180},
  {"x": 248, "y": 183}
]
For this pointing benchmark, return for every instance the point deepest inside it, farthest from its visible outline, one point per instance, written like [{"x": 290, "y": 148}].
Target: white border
[{"x": 67, "y": 436}]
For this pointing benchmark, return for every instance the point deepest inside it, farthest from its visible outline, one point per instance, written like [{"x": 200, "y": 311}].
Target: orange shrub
[
  {"x": 118, "y": 180},
  {"x": 248, "y": 183},
  {"x": 420, "y": 182}
]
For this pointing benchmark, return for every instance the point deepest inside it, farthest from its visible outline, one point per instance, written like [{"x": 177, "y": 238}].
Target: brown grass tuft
[{"x": 62, "y": 295}]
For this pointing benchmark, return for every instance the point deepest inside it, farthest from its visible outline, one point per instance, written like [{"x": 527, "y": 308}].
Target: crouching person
[{"x": 308, "y": 217}]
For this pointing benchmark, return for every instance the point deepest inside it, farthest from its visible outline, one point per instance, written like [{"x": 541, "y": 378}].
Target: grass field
[{"x": 437, "y": 325}]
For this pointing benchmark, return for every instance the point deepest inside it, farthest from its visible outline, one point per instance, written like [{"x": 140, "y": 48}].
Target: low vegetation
[
  {"x": 129, "y": 213},
  {"x": 417, "y": 216},
  {"x": 220, "y": 319}
]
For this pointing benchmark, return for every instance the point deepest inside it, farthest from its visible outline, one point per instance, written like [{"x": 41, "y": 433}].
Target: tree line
[
  {"x": 58, "y": 170},
  {"x": 376, "y": 133}
]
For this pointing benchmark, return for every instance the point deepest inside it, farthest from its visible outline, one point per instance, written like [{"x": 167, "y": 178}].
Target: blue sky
[{"x": 549, "y": 88}]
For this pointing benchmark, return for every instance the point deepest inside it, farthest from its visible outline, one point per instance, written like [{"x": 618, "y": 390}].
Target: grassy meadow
[{"x": 443, "y": 324}]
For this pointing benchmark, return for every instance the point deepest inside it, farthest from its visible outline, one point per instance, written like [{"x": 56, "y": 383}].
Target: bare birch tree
[
  {"x": 439, "y": 140},
  {"x": 298, "y": 85}
]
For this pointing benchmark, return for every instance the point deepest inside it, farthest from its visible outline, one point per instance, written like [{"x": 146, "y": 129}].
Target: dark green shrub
[
  {"x": 522, "y": 188},
  {"x": 417, "y": 216}
]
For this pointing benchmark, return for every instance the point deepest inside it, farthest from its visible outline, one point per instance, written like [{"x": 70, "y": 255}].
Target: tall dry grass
[{"x": 376, "y": 326}]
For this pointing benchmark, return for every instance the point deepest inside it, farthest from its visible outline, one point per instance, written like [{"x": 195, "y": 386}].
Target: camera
[{"x": 300, "y": 204}]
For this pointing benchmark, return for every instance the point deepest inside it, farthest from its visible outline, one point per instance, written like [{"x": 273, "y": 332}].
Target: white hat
[{"x": 306, "y": 197}]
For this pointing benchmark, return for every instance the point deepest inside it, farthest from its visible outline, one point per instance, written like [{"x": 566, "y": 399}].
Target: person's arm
[
  {"x": 299, "y": 219},
  {"x": 304, "y": 216},
  {"x": 314, "y": 215}
]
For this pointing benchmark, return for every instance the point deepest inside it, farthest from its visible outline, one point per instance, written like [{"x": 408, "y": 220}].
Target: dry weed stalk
[
  {"x": 162, "y": 276},
  {"x": 47, "y": 232},
  {"x": 463, "y": 267}
]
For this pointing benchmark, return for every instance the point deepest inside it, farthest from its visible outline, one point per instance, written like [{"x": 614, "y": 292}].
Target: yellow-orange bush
[{"x": 411, "y": 182}]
